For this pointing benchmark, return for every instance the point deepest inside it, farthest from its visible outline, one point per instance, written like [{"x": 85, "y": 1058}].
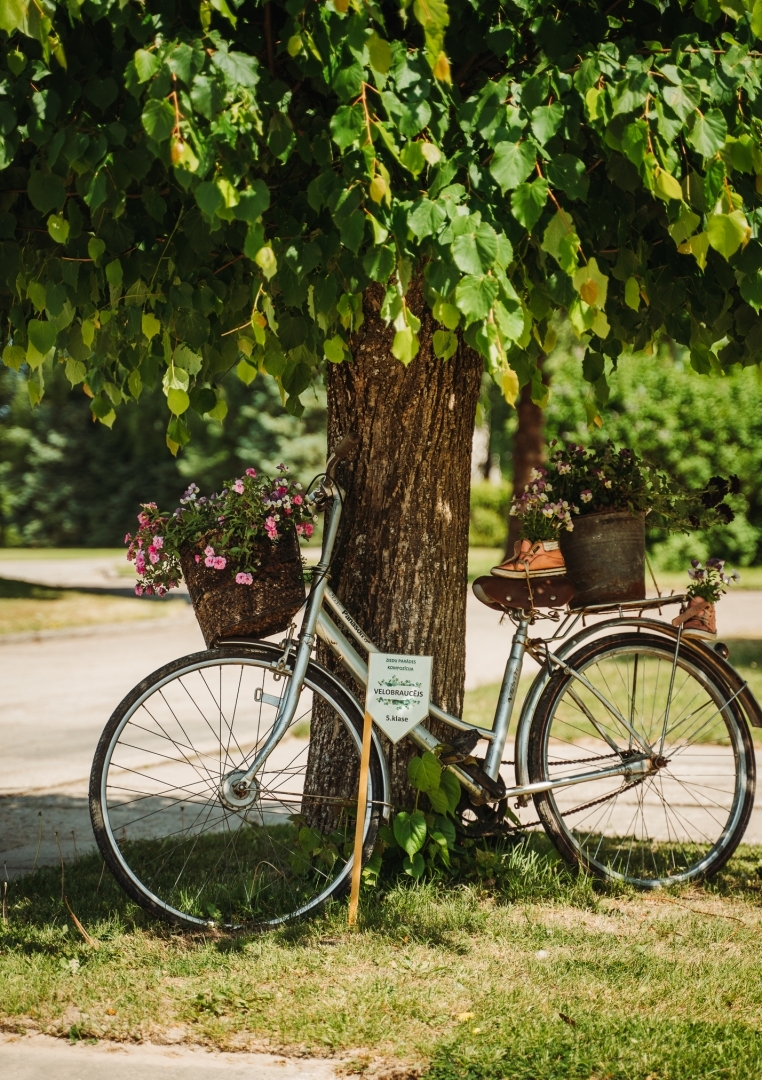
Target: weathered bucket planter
[
  {"x": 605, "y": 557},
  {"x": 225, "y": 609}
]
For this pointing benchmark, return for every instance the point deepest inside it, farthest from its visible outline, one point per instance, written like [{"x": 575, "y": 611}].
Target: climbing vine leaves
[{"x": 188, "y": 191}]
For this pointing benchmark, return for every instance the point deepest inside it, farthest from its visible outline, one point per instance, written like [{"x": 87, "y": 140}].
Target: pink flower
[
  {"x": 208, "y": 551},
  {"x": 153, "y": 556},
  {"x": 238, "y": 487},
  {"x": 244, "y": 579},
  {"x": 158, "y": 542},
  {"x": 138, "y": 590},
  {"x": 297, "y": 500},
  {"x": 219, "y": 562},
  {"x": 161, "y": 590},
  {"x": 271, "y": 528},
  {"x": 209, "y": 560},
  {"x": 309, "y": 529},
  {"x": 149, "y": 590},
  {"x": 198, "y": 558},
  {"x": 288, "y": 510},
  {"x": 251, "y": 472},
  {"x": 127, "y": 539},
  {"x": 140, "y": 562},
  {"x": 300, "y": 530}
]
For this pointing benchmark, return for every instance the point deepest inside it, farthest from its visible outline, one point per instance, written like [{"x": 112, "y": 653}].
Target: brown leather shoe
[
  {"x": 542, "y": 558},
  {"x": 698, "y": 619}
]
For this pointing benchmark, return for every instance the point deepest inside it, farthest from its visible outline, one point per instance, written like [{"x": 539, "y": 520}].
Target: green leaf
[
  {"x": 209, "y": 198},
  {"x": 335, "y": 349},
  {"x": 379, "y": 263},
  {"x": 546, "y": 120},
  {"x": 474, "y": 297},
  {"x": 150, "y": 325},
  {"x": 756, "y": 18},
  {"x": 75, "y": 371},
  {"x": 667, "y": 187},
  {"x": 13, "y": 356},
  {"x": 512, "y": 163},
  {"x": 561, "y": 241},
  {"x": 450, "y": 784},
  {"x": 246, "y": 372},
  {"x": 686, "y": 224},
  {"x": 410, "y": 831},
  {"x": 413, "y": 158},
  {"x": 95, "y": 248},
  {"x": 447, "y": 314},
  {"x": 568, "y": 173},
  {"x": 114, "y": 273},
  {"x": 474, "y": 251},
  {"x": 405, "y": 345},
  {"x": 414, "y": 866},
  {"x": 439, "y": 800},
  {"x": 253, "y": 202},
  {"x": 423, "y": 772},
  {"x": 528, "y": 202},
  {"x": 158, "y": 119},
  {"x": 445, "y": 344},
  {"x": 13, "y": 15},
  {"x": 726, "y": 232},
  {"x": 58, "y": 228},
  {"x": 426, "y": 218},
  {"x": 683, "y": 99},
  {"x": 237, "y": 69},
  {"x": 146, "y": 65},
  {"x": 347, "y": 125},
  {"x": 265, "y": 258},
  {"x": 46, "y": 192},
  {"x": 379, "y": 53},
  {"x": 707, "y": 133},
  {"x": 42, "y": 335},
  {"x": 632, "y": 293}
]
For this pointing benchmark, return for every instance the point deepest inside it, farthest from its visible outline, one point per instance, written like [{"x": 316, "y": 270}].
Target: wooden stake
[{"x": 362, "y": 804}]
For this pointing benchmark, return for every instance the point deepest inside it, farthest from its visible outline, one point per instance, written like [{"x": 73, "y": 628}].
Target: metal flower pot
[{"x": 605, "y": 557}]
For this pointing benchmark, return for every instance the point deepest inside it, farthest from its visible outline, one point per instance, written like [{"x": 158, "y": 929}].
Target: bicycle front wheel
[
  {"x": 163, "y": 814},
  {"x": 680, "y": 810}
]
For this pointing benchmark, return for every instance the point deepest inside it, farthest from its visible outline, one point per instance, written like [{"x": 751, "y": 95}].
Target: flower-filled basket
[
  {"x": 238, "y": 552},
  {"x": 594, "y": 504}
]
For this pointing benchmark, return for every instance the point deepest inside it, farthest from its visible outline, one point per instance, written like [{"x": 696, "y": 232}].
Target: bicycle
[{"x": 223, "y": 786}]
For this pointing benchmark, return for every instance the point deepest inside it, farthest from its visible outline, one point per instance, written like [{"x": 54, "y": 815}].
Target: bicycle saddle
[{"x": 503, "y": 594}]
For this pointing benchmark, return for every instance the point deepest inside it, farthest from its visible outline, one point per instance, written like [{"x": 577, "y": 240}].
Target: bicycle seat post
[{"x": 507, "y": 698}]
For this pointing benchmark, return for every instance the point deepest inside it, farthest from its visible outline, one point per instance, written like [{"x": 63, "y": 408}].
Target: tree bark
[
  {"x": 401, "y": 561},
  {"x": 528, "y": 451}
]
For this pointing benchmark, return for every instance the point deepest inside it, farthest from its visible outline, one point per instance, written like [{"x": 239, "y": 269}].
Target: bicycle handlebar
[{"x": 344, "y": 449}]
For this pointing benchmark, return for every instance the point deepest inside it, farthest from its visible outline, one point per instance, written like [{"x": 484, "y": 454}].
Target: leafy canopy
[{"x": 190, "y": 189}]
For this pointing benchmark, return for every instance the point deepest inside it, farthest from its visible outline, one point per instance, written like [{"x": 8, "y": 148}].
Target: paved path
[
  {"x": 37, "y": 1056},
  {"x": 57, "y": 692}
]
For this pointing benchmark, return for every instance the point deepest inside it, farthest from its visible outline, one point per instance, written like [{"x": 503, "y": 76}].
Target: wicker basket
[{"x": 225, "y": 609}]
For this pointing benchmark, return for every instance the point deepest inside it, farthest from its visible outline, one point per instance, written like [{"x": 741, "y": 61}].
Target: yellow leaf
[
  {"x": 509, "y": 384},
  {"x": 441, "y": 69},
  {"x": 589, "y": 291},
  {"x": 378, "y": 188},
  {"x": 342, "y": 6},
  {"x": 697, "y": 246},
  {"x": 667, "y": 187},
  {"x": 265, "y": 258},
  {"x": 591, "y": 275}
]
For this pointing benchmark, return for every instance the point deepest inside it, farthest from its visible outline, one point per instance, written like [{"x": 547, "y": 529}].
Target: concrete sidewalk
[{"x": 32, "y": 1057}]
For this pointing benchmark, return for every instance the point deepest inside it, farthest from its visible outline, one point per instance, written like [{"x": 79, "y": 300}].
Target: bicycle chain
[{"x": 577, "y": 809}]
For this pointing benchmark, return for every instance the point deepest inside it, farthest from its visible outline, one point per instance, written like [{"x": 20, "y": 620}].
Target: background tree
[{"x": 189, "y": 188}]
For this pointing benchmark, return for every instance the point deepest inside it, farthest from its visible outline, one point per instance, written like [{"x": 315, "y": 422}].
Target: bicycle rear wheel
[
  {"x": 683, "y": 809},
  {"x": 163, "y": 816}
]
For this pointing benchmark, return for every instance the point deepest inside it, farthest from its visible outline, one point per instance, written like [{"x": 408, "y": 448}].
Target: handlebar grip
[{"x": 350, "y": 441}]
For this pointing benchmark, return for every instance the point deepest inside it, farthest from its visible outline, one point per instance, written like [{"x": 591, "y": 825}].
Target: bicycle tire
[
  {"x": 157, "y": 793},
  {"x": 685, "y": 818}
]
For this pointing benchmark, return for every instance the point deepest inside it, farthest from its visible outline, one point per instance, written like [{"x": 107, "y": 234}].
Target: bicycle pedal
[{"x": 459, "y": 749}]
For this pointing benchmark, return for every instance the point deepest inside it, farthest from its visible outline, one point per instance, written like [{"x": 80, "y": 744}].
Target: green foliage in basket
[{"x": 223, "y": 530}]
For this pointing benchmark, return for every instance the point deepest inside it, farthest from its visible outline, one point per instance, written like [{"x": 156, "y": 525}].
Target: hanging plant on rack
[
  {"x": 238, "y": 551},
  {"x": 698, "y": 617}
]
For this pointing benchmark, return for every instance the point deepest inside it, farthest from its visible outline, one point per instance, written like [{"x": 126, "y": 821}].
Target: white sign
[{"x": 399, "y": 692}]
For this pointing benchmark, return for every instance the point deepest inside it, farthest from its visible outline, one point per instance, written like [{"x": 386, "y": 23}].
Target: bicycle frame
[{"x": 331, "y": 628}]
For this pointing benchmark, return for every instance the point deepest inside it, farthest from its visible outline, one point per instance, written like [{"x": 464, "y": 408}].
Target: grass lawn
[
  {"x": 548, "y": 977},
  {"x": 26, "y": 607}
]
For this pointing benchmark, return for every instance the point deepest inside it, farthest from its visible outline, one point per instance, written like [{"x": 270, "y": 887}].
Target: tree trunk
[
  {"x": 401, "y": 561},
  {"x": 528, "y": 451}
]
